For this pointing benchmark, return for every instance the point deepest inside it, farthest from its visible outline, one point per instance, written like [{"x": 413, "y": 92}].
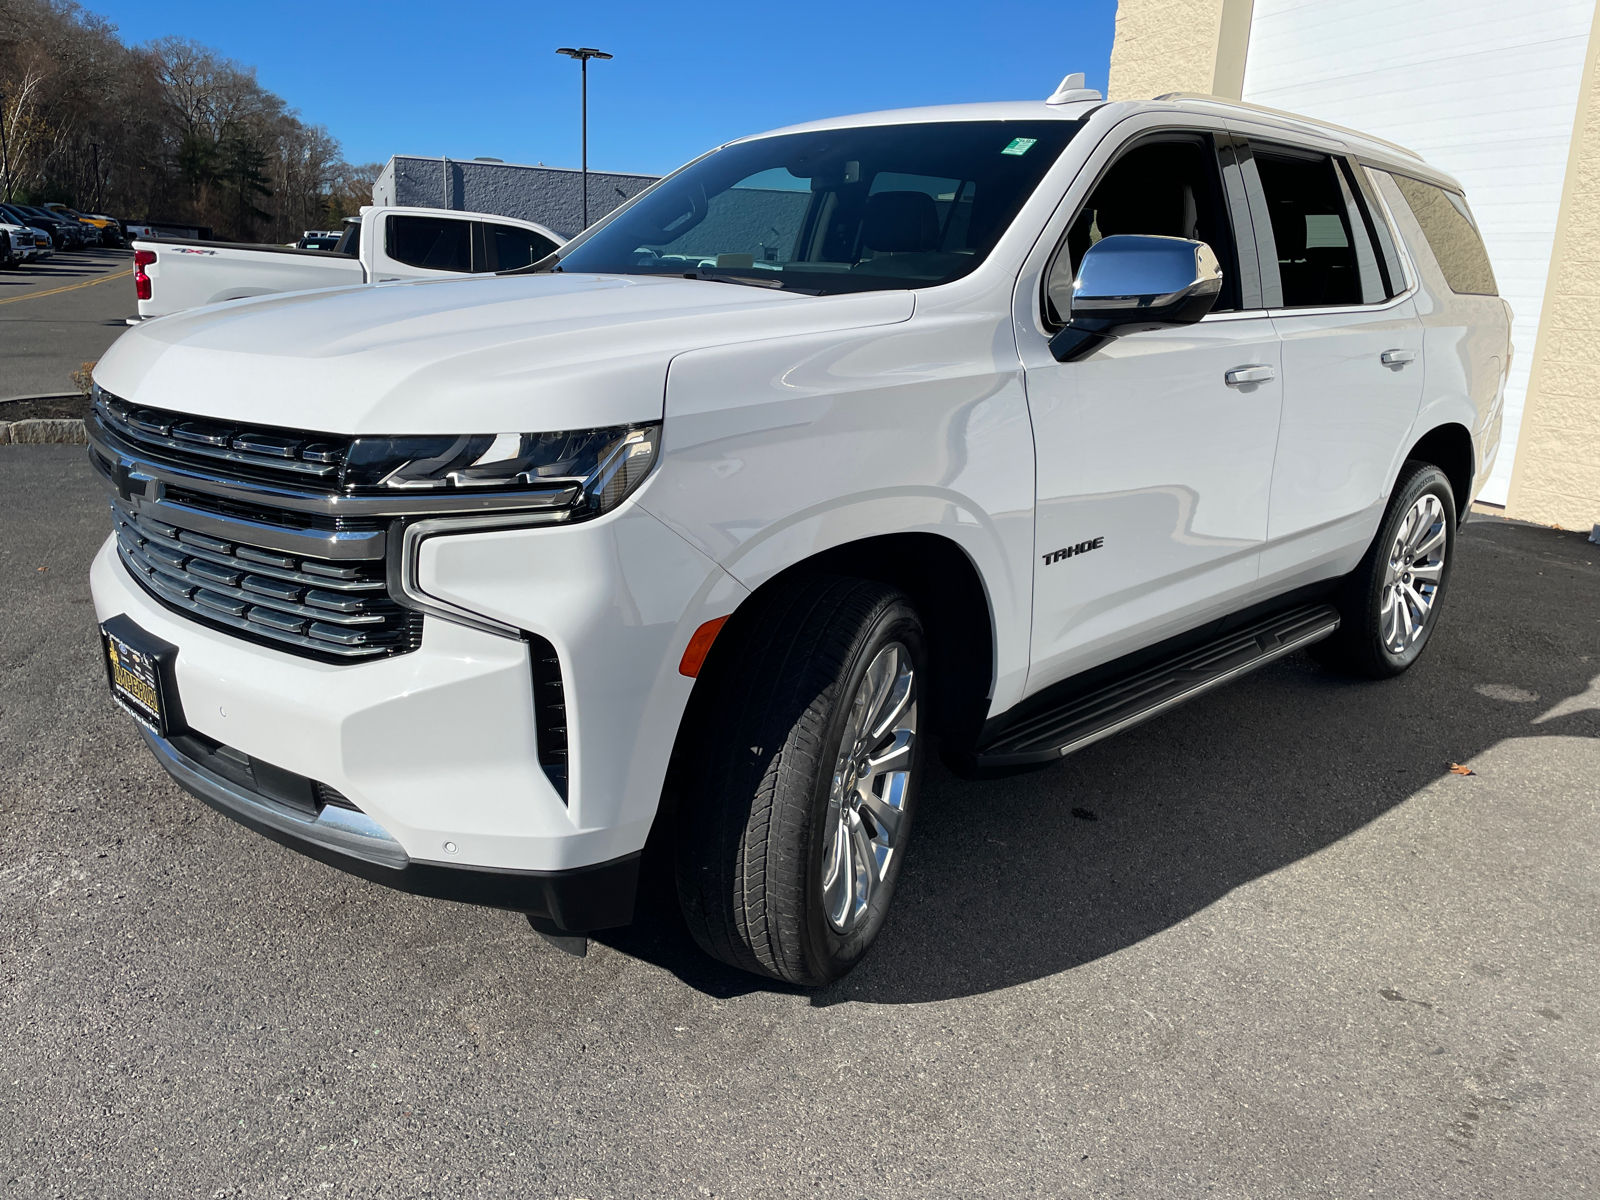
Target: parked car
[
  {"x": 319, "y": 239},
  {"x": 1040, "y": 419},
  {"x": 62, "y": 234},
  {"x": 417, "y": 243},
  {"x": 68, "y": 232},
  {"x": 21, "y": 244},
  {"x": 33, "y": 243},
  {"x": 107, "y": 232},
  {"x": 151, "y": 228}
]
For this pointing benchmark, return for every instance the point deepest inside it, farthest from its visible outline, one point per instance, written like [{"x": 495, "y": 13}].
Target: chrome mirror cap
[
  {"x": 1128, "y": 282},
  {"x": 1140, "y": 276}
]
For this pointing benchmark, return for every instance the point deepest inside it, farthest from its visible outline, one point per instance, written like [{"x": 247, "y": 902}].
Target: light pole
[{"x": 583, "y": 54}]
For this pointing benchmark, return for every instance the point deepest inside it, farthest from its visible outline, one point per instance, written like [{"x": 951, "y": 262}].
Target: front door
[{"x": 1153, "y": 470}]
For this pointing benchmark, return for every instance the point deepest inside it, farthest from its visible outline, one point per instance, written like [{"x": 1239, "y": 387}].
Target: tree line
[{"x": 168, "y": 131}]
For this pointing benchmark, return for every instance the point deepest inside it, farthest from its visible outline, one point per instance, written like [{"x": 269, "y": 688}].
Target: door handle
[
  {"x": 1243, "y": 375},
  {"x": 1397, "y": 358}
]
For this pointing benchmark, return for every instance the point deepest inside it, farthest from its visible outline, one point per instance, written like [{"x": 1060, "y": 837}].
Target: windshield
[{"x": 841, "y": 210}]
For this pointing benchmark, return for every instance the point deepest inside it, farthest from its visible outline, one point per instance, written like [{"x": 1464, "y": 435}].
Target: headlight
[{"x": 602, "y": 465}]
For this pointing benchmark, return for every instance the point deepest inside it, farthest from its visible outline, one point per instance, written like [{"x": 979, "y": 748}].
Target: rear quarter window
[{"x": 1452, "y": 236}]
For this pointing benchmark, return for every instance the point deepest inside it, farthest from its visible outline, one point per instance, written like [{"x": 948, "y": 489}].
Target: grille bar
[
  {"x": 243, "y": 558},
  {"x": 344, "y": 614},
  {"x": 310, "y": 457}
]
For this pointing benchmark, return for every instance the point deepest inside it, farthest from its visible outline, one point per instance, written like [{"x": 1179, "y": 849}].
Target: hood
[{"x": 487, "y": 354}]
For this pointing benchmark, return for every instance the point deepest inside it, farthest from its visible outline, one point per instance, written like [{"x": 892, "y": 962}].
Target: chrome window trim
[{"x": 1341, "y": 309}]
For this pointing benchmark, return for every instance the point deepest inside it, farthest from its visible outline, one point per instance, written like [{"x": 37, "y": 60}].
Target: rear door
[
  {"x": 422, "y": 245},
  {"x": 1352, "y": 357},
  {"x": 1153, "y": 471}
]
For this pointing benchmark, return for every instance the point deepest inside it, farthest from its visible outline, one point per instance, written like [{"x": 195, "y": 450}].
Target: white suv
[{"x": 1003, "y": 425}]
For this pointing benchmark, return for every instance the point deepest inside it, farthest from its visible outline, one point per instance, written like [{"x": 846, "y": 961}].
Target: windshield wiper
[{"x": 713, "y": 277}]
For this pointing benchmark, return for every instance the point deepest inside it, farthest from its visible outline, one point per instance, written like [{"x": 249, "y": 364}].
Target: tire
[
  {"x": 1386, "y": 611},
  {"x": 791, "y": 844}
]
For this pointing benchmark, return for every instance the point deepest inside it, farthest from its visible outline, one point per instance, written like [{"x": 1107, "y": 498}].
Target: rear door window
[
  {"x": 350, "y": 240},
  {"x": 433, "y": 243},
  {"x": 1324, "y": 257},
  {"x": 511, "y": 246},
  {"x": 1452, "y": 236}
]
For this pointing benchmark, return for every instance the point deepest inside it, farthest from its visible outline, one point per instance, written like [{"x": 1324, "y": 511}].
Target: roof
[
  {"x": 1003, "y": 110},
  {"x": 1354, "y": 140}
]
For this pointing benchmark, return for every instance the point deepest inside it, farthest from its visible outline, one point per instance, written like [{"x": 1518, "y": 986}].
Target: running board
[{"x": 1086, "y": 717}]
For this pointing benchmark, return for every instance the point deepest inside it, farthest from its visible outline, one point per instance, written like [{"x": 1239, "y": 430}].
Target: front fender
[{"x": 776, "y": 451}]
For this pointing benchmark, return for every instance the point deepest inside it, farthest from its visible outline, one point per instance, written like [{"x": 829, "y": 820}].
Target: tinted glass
[
  {"x": 350, "y": 239},
  {"x": 511, "y": 247},
  {"x": 1312, "y": 230},
  {"x": 1452, "y": 235},
  {"x": 1373, "y": 290},
  {"x": 1365, "y": 182},
  {"x": 1168, "y": 189},
  {"x": 436, "y": 243},
  {"x": 843, "y": 210}
]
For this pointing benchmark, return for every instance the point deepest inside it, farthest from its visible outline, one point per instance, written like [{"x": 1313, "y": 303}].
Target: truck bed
[{"x": 188, "y": 273}]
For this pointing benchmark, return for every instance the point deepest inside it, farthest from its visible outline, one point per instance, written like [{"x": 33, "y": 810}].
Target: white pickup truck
[{"x": 174, "y": 274}]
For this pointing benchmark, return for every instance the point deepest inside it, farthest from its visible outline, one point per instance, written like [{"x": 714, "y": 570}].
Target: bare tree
[{"x": 170, "y": 130}]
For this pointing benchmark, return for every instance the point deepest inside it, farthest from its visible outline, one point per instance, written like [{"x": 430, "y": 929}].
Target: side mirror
[{"x": 1129, "y": 282}]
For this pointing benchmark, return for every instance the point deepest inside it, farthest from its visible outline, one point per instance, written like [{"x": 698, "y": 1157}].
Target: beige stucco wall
[
  {"x": 1179, "y": 46},
  {"x": 1556, "y": 478}
]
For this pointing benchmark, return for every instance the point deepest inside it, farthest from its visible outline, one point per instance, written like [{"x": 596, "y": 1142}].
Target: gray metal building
[{"x": 550, "y": 196}]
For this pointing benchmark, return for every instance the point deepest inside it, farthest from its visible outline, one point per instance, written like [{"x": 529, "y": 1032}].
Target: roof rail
[{"x": 1278, "y": 112}]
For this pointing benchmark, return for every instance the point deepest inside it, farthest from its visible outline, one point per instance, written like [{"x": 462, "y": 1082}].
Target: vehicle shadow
[{"x": 1012, "y": 880}]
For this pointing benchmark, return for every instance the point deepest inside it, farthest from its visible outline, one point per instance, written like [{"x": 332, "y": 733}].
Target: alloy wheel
[
  {"x": 1411, "y": 580},
  {"x": 870, "y": 787}
]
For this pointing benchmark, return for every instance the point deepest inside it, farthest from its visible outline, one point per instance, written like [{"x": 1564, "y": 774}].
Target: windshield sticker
[{"x": 1019, "y": 146}]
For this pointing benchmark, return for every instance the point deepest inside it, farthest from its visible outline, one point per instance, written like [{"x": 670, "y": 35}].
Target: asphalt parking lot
[
  {"x": 59, "y": 314},
  {"x": 1269, "y": 945}
]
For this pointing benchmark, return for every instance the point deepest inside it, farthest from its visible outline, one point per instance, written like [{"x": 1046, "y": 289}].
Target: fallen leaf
[
  {"x": 1458, "y": 769},
  {"x": 42, "y": 568}
]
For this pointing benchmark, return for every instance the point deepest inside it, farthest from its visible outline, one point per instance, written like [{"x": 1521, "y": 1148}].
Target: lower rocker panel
[{"x": 1082, "y": 719}]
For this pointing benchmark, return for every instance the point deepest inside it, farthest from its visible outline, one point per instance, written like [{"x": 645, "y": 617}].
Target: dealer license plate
[{"x": 139, "y": 668}]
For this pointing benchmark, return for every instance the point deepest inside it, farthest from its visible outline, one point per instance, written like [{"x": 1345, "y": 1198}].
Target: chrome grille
[
  {"x": 326, "y": 609},
  {"x": 309, "y": 459}
]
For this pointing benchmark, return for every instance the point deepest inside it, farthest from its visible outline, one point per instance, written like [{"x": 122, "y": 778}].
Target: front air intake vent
[{"x": 549, "y": 711}]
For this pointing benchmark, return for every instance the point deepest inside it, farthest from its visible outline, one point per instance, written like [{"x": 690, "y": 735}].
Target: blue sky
[{"x": 408, "y": 77}]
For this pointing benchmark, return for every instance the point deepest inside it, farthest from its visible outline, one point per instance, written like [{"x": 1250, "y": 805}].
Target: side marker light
[{"x": 694, "y": 655}]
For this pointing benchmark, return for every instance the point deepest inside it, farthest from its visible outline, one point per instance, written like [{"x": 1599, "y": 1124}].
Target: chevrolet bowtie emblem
[{"x": 131, "y": 482}]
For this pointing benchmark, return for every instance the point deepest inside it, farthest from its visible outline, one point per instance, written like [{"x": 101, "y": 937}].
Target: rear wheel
[
  {"x": 803, "y": 780},
  {"x": 1389, "y": 604}
]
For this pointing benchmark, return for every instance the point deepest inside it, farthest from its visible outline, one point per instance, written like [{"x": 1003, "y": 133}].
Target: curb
[
  {"x": 41, "y": 396},
  {"x": 43, "y": 431}
]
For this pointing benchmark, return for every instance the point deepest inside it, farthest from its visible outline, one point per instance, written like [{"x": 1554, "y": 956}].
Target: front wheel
[
  {"x": 803, "y": 780},
  {"x": 1389, "y": 605}
]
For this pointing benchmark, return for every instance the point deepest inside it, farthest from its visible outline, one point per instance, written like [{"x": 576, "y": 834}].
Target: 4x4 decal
[{"x": 1080, "y": 548}]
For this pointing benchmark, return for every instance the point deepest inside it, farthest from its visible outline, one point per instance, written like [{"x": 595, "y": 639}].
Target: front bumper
[
  {"x": 574, "y": 901},
  {"x": 438, "y": 745}
]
